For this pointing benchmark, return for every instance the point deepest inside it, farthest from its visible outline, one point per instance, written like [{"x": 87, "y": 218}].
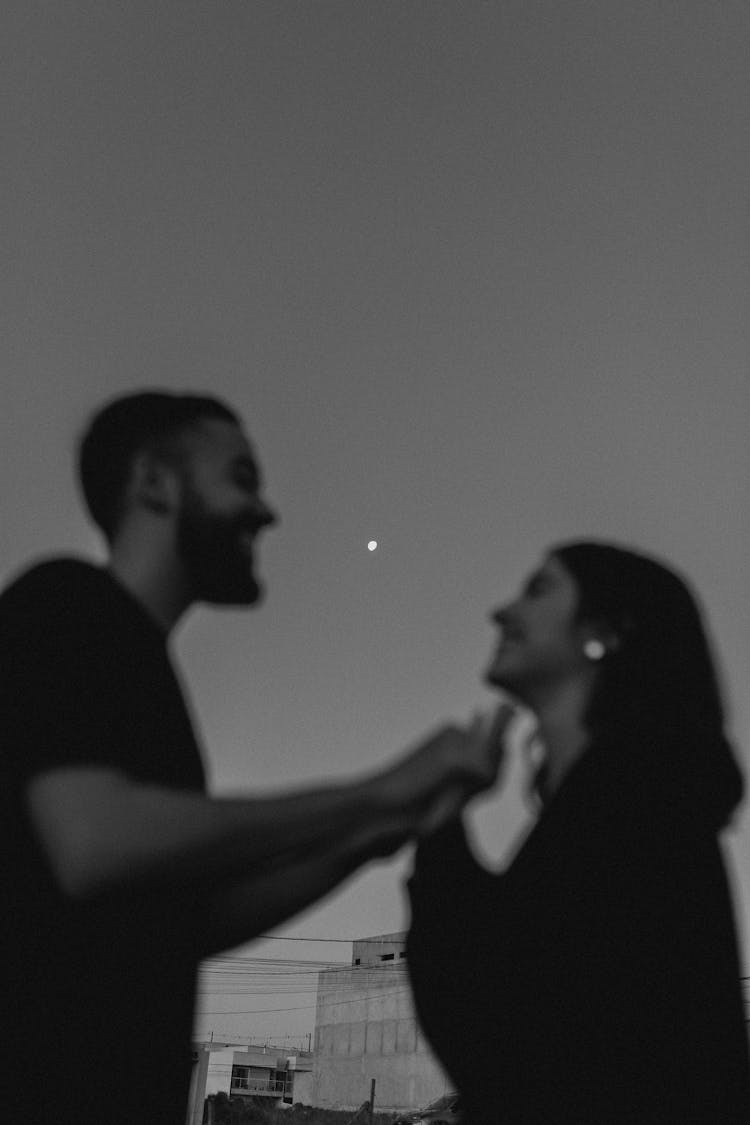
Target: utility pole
[{"x": 372, "y": 1100}]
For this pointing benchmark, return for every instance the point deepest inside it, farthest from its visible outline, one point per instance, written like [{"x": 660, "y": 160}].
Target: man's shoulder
[
  {"x": 54, "y": 577},
  {"x": 57, "y": 592}
]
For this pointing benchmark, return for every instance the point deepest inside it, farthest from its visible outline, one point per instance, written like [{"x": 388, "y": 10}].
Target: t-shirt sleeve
[{"x": 61, "y": 702}]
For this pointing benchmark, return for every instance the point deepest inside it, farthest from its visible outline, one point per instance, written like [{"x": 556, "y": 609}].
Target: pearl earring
[{"x": 594, "y": 649}]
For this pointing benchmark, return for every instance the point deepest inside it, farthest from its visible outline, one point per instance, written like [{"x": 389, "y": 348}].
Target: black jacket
[{"x": 597, "y": 980}]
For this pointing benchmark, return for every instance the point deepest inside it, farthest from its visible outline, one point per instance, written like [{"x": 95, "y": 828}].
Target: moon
[{"x": 372, "y": 545}]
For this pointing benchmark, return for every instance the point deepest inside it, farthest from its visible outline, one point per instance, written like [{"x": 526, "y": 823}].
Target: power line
[
  {"x": 306, "y": 1007},
  {"x": 228, "y": 975},
  {"x": 259, "y": 1011},
  {"x": 348, "y": 941},
  {"x": 270, "y": 962}
]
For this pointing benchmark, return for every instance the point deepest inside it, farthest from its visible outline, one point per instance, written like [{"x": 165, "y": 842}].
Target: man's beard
[{"x": 218, "y": 569}]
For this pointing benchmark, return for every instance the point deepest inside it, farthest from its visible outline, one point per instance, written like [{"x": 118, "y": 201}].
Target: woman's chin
[
  {"x": 502, "y": 679},
  {"x": 494, "y": 678}
]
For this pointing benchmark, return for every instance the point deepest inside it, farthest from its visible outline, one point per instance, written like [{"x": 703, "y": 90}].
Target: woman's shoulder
[{"x": 624, "y": 809}]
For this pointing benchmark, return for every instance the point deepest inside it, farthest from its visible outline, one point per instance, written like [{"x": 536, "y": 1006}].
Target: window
[
  {"x": 280, "y": 1080},
  {"x": 239, "y": 1078}
]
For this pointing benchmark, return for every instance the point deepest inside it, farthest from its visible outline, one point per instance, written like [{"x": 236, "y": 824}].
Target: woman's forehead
[
  {"x": 550, "y": 564},
  {"x": 556, "y": 575}
]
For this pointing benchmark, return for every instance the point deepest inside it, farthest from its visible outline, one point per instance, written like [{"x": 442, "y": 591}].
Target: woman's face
[{"x": 541, "y": 644}]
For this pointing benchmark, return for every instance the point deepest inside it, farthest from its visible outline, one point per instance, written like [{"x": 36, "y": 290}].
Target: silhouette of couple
[{"x": 594, "y": 980}]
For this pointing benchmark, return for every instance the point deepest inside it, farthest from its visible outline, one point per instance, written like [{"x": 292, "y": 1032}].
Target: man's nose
[{"x": 265, "y": 515}]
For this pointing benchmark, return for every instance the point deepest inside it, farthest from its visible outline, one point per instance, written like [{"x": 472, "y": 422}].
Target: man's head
[{"x": 182, "y": 464}]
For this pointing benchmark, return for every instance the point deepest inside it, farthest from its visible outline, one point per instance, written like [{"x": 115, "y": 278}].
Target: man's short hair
[{"x": 130, "y": 424}]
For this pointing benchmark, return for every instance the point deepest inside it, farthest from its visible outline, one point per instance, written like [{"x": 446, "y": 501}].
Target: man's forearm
[{"x": 101, "y": 832}]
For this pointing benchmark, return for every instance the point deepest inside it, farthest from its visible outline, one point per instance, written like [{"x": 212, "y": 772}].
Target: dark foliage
[{"x": 257, "y": 1111}]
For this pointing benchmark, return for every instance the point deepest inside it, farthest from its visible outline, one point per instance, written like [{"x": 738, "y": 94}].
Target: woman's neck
[{"x": 562, "y": 732}]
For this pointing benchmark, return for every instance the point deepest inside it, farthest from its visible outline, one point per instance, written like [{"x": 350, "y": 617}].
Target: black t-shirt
[{"x": 98, "y": 996}]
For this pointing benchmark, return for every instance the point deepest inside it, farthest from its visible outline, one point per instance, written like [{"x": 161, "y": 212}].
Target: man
[{"x": 122, "y": 873}]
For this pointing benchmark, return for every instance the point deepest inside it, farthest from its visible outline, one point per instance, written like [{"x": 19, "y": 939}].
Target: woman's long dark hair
[{"x": 657, "y": 692}]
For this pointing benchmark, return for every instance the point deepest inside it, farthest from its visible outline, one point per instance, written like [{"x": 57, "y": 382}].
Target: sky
[{"x": 476, "y": 275}]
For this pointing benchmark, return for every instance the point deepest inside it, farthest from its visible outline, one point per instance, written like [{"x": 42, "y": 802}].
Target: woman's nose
[{"x": 498, "y": 616}]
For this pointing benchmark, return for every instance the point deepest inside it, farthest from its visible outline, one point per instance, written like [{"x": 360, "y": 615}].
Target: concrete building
[
  {"x": 366, "y": 1028},
  {"x": 248, "y": 1072}
]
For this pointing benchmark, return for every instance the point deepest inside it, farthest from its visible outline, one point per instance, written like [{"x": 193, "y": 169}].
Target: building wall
[
  {"x": 219, "y": 1071},
  {"x": 302, "y": 1087},
  {"x": 365, "y": 1028},
  {"x": 197, "y": 1091}
]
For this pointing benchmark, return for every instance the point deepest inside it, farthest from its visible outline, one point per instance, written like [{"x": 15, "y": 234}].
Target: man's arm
[{"x": 101, "y": 831}]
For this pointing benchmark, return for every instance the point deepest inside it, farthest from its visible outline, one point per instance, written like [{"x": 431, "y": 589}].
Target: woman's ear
[{"x": 602, "y": 639}]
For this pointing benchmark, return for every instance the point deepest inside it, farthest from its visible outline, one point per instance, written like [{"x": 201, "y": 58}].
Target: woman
[{"x": 597, "y": 979}]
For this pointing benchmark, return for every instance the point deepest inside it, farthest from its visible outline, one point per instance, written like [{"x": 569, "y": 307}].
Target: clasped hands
[{"x": 428, "y": 787}]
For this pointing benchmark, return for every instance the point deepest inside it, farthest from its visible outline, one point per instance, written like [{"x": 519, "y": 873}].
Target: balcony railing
[{"x": 271, "y": 1089}]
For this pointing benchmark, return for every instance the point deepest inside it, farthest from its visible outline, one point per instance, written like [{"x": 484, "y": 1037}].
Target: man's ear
[{"x": 154, "y": 483}]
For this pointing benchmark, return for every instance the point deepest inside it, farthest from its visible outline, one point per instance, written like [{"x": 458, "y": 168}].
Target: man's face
[
  {"x": 221, "y": 515},
  {"x": 540, "y": 642}
]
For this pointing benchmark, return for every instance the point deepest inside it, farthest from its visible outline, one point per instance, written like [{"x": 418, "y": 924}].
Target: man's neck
[{"x": 152, "y": 579}]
